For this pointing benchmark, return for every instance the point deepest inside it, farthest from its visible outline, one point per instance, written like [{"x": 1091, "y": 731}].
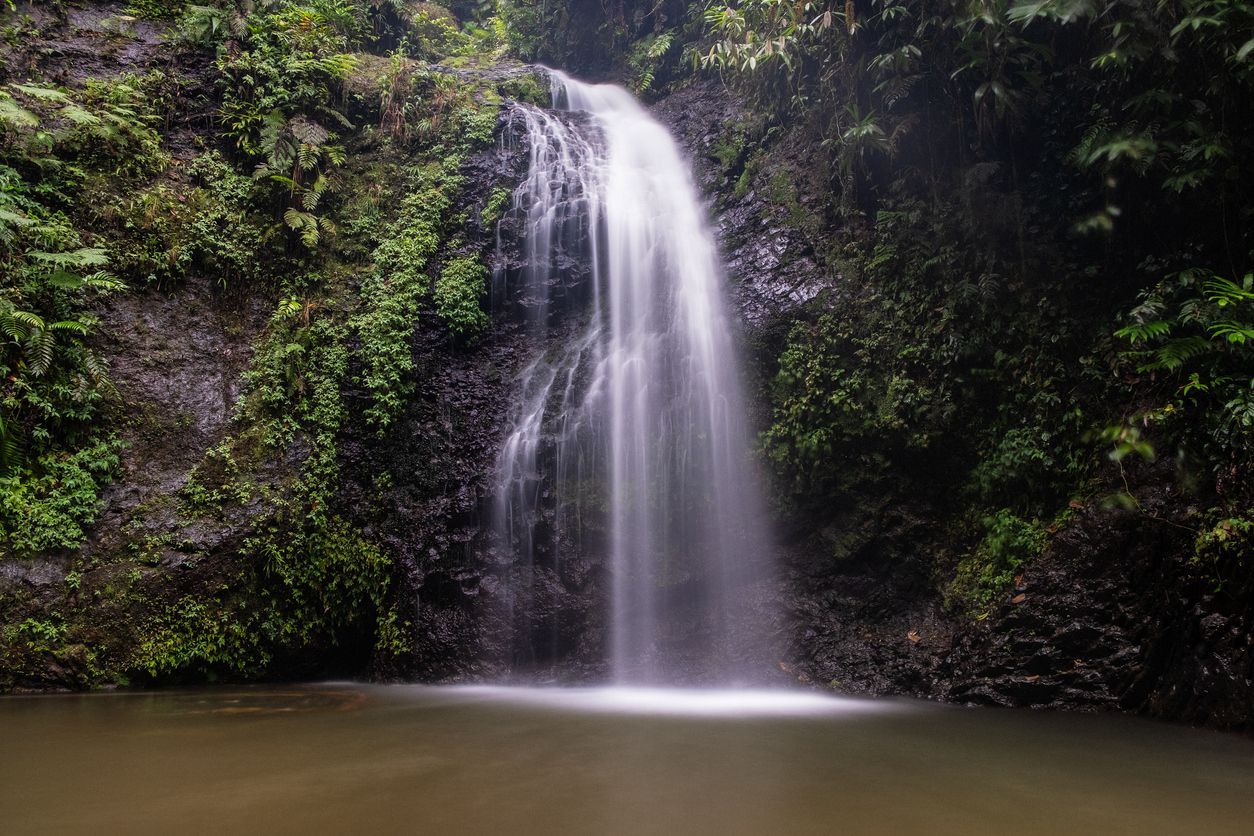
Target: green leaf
[
  {"x": 44, "y": 94},
  {"x": 12, "y": 113},
  {"x": 82, "y": 257}
]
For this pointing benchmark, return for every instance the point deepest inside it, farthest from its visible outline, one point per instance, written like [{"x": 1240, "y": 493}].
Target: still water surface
[{"x": 408, "y": 759}]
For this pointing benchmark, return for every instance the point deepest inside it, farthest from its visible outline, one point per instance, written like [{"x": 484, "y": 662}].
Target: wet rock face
[
  {"x": 770, "y": 266},
  {"x": 1116, "y": 615},
  {"x": 175, "y": 357},
  {"x": 176, "y": 360}
]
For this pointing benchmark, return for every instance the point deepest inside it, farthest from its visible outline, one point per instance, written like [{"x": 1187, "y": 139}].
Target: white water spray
[{"x": 640, "y": 417}]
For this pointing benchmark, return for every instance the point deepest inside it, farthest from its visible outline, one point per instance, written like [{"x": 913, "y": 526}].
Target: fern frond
[
  {"x": 12, "y": 328},
  {"x": 82, "y": 257},
  {"x": 303, "y": 223},
  {"x": 30, "y": 320},
  {"x": 39, "y": 352},
  {"x": 309, "y": 133},
  {"x": 98, "y": 372},
  {"x": 1175, "y": 353},
  {"x": 14, "y": 218},
  {"x": 1224, "y": 292},
  {"x": 14, "y": 115},
  {"x": 10, "y": 447},
  {"x": 70, "y": 325},
  {"x": 1144, "y": 332},
  {"x": 79, "y": 116},
  {"x": 43, "y": 94},
  {"x": 65, "y": 280},
  {"x": 338, "y": 117},
  {"x": 306, "y": 156},
  {"x": 103, "y": 280}
]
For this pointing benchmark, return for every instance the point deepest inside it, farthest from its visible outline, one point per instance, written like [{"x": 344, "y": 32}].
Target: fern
[
  {"x": 1173, "y": 354},
  {"x": 14, "y": 115},
  {"x": 39, "y": 352},
  {"x": 43, "y": 94},
  {"x": 1234, "y": 332},
  {"x": 82, "y": 257},
  {"x": 309, "y": 227},
  {"x": 1144, "y": 332},
  {"x": 80, "y": 116},
  {"x": 21, "y": 325},
  {"x": 1224, "y": 292},
  {"x": 10, "y": 447}
]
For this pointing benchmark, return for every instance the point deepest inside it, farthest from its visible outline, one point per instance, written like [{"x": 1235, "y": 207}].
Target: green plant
[
  {"x": 155, "y": 9},
  {"x": 397, "y": 285},
  {"x": 645, "y": 57},
  {"x": 48, "y": 503},
  {"x": 294, "y": 58},
  {"x": 495, "y": 206},
  {"x": 299, "y": 157},
  {"x": 203, "y": 26},
  {"x": 204, "y": 637},
  {"x": 1198, "y": 332},
  {"x": 983, "y": 576},
  {"x": 458, "y": 292},
  {"x": 42, "y": 634},
  {"x": 326, "y": 580},
  {"x": 214, "y": 482}
]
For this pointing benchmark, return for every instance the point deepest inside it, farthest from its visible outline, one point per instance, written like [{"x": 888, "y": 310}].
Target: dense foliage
[{"x": 1048, "y": 229}]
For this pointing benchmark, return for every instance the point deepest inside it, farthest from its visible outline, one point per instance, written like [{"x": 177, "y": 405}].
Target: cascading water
[{"x": 638, "y": 420}]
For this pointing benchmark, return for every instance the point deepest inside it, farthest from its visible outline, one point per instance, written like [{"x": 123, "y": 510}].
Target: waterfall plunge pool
[{"x": 416, "y": 759}]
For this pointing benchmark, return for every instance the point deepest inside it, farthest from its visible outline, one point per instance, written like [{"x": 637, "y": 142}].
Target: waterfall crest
[{"x": 633, "y": 428}]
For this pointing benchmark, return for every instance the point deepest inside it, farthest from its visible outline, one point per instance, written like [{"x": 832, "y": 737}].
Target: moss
[
  {"x": 730, "y": 148},
  {"x": 782, "y": 191}
]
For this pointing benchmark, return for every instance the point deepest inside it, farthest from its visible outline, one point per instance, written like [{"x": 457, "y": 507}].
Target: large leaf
[
  {"x": 13, "y": 114},
  {"x": 44, "y": 94},
  {"x": 82, "y": 257}
]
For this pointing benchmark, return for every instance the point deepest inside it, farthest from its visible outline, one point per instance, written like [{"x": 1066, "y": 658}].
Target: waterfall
[{"x": 634, "y": 427}]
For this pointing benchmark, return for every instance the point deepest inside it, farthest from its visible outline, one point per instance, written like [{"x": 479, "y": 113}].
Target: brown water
[{"x": 409, "y": 759}]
